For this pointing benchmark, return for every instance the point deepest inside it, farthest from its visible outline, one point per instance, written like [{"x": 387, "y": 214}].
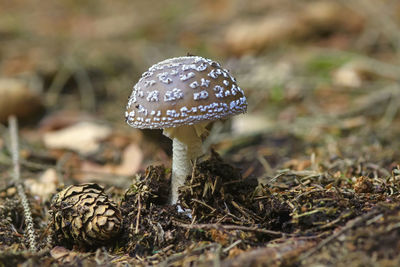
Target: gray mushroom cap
[{"x": 184, "y": 91}]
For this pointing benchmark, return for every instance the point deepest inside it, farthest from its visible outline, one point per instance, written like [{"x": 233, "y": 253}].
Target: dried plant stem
[
  {"x": 234, "y": 244},
  {"x": 13, "y": 126},
  {"x": 138, "y": 215}
]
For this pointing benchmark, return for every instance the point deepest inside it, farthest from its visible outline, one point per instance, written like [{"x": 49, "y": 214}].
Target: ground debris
[
  {"x": 151, "y": 225},
  {"x": 217, "y": 189},
  {"x": 231, "y": 216},
  {"x": 369, "y": 240},
  {"x": 12, "y": 223},
  {"x": 147, "y": 216},
  {"x": 278, "y": 254}
]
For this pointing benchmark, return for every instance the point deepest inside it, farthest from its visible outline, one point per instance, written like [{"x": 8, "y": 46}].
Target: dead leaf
[
  {"x": 330, "y": 14},
  {"x": 297, "y": 164},
  {"x": 83, "y": 137},
  {"x": 219, "y": 237},
  {"x": 244, "y": 37},
  {"x": 63, "y": 255},
  {"x": 46, "y": 186},
  {"x": 250, "y": 124},
  {"x": 131, "y": 162},
  {"x": 251, "y": 36},
  {"x": 61, "y": 119},
  {"x": 59, "y": 252},
  {"x": 234, "y": 252}
]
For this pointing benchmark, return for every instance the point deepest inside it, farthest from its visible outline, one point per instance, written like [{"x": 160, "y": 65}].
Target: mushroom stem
[
  {"x": 186, "y": 147},
  {"x": 182, "y": 155}
]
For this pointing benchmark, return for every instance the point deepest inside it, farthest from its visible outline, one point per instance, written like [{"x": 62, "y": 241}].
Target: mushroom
[{"x": 181, "y": 96}]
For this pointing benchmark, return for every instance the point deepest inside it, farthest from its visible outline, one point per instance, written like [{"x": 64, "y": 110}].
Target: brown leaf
[
  {"x": 45, "y": 186},
  {"x": 62, "y": 119},
  {"x": 234, "y": 252},
  {"x": 63, "y": 255},
  {"x": 296, "y": 164},
  {"x": 252, "y": 36},
  {"x": 219, "y": 237},
  {"x": 83, "y": 137},
  {"x": 131, "y": 161}
]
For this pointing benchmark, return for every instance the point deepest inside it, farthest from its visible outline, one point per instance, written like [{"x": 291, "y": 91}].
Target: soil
[{"x": 223, "y": 215}]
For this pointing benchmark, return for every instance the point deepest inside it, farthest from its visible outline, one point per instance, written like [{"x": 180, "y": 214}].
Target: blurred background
[{"x": 321, "y": 77}]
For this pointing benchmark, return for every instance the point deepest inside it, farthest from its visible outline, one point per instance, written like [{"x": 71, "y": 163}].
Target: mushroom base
[{"x": 186, "y": 147}]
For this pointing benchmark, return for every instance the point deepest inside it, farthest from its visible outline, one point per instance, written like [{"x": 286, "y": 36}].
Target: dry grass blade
[{"x": 13, "y": 125}]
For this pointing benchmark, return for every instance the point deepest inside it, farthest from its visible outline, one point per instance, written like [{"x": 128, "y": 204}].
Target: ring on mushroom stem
[{"x": 182, "y": 95}]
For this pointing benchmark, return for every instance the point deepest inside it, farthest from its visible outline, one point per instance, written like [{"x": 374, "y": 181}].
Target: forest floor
[{"x": 310, "y": 176}]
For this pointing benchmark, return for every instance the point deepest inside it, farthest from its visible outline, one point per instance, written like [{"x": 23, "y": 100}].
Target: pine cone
[{"x": 83, "y": 214}]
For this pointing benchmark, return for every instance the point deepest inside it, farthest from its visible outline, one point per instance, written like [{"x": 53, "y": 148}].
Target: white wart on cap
[{"x": 184, "y": 91}]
